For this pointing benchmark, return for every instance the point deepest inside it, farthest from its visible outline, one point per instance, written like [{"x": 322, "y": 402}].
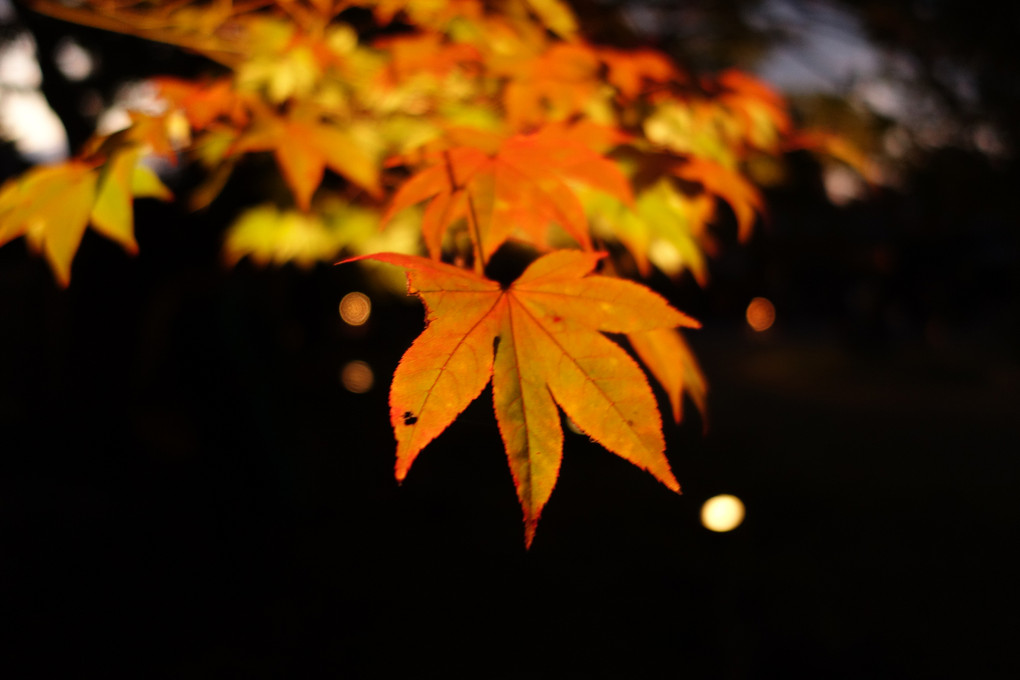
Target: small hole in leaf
[{"x": 410, "y": 418}]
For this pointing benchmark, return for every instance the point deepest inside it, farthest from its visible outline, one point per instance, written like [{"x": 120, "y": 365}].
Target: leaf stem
[{"x": 472, "y": 217}]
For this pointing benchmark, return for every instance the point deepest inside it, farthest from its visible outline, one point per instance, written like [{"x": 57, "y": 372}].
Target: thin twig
[{"x": 476, "y": 233}]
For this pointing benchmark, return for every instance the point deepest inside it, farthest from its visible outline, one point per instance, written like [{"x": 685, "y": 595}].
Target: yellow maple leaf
[{"x": 52, "y": 205}]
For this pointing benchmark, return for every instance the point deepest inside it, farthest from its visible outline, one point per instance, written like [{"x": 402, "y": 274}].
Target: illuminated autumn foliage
[
  {"x": 468, "y": 124},
  {"x": 548, "y": 351}
]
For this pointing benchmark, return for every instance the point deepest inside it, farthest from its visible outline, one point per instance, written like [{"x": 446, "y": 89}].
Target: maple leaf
[
  {"x": 557, "y": 17},
  {"x": 160, "y": 135},
  {"x": 52, "y": 205},
  {"x": 836, "y": 146},
  {"x": 664, "y": 227},
  {"x": 523, "y": 185},
  {"x": 304, "y": 147},
  {"x": 762, "y": 111},
  {"x": 204, "y": 102},
  {"x": 269, "y": 235},
  {"x": 670, "y": 360},
  {"x": 696, "y": 127},
  {"x": 554, "y": 85},
  {"x": 124, "y": 178},
  {"x": 629, "y": 70},
  {"x": 728, "y": 185},
  {"x": 411, "y": 55},
  {"x": 292, "y": 72},
  {"x": 547, "y": 328}
]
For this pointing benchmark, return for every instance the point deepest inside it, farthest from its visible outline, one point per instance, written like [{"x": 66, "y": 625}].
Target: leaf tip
[
  {"x": 530, "y": 525},
  {"x": 355, "y": 258},
  {"x": 689, "y": 322}
]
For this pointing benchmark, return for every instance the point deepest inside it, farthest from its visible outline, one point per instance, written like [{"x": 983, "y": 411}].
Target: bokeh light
[
  {"x": 357, "y": 377},
  {"x": 355, "y": 308},
  {"x": 25, "y": 116},
  {"x": 761, "y": 314},
  {"x": 722, "y": 513},
  {"x": 73, "y": 60}
]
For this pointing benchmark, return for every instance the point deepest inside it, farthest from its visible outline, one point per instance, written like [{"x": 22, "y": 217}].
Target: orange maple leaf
[
  {"x": 424, "y": 52},
  {"x": 204, "y": 102},
  {"x": 554, "y": 85},
  {"x": 304, "y": 146},
  {"x": 549, "y": 349},
  {"x": 628, "y": 71},
  {"x": 762, "y": 111},
  {"x": 668, "y": 358},
  {"x": 728, "y": 185},
  {"x": 524, "y": 185}
]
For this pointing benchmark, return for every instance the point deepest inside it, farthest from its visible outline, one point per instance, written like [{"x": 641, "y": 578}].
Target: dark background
[{"x": 187, "y": 491}]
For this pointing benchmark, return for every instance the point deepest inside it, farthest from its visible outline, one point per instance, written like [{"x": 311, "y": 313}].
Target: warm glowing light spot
[
  {"x": 843, "y": 185},
  {"x": 355, "y": 308},
  {"x": 18, "y": 65},
  {"x": 27, "y": 119},
  {"x": 760, "y": 314},
  {"x": 722, "y": 513},
  {"x": 357, "y": 377},
  {"x": 665, "y": 255},
  {"x": 25, "y": 116},
  {"x": 73, "y": 60}
]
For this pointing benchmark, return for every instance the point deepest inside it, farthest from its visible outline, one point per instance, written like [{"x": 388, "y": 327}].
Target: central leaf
[{"x": 547, "y": 328}]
